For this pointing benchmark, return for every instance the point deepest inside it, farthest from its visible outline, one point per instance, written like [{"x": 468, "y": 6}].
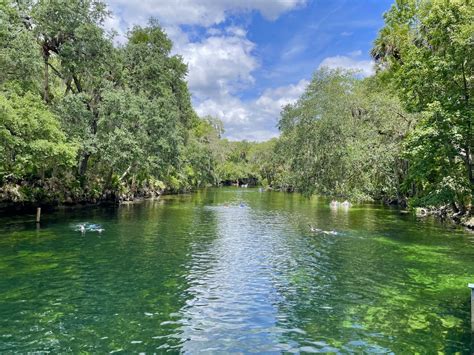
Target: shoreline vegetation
[
  {"x": 14, "y": 208},
  {"x": 86, "y": 121}
]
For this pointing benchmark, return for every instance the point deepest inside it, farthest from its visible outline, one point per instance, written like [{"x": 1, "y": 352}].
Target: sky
[{"x": 248, "y": 58}]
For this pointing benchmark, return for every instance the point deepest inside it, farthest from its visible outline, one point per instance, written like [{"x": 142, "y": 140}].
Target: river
[{"x": 234, "y": 270}]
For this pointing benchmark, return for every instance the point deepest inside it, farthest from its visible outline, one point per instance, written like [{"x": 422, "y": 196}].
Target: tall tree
[
  {"x": 343, "y": 138},
  {"x": 426, "y": 50}
]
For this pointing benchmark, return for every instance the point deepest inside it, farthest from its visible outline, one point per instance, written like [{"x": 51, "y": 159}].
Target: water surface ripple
[{"x": 234, "y": 270}]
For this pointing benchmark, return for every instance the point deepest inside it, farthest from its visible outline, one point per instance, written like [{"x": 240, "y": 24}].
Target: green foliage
[
  {"x": 113, "y": 120},
  {"x": 426, "y": 50},
  {"x": 20, "y": 58},
  {"x": 202, "y": 152},
  {"x": 264, "y": 161},
  {"x": 118, "y": 120},
  {"x": 436, "y": 171},
  {"x": 405, "y": 133},
  {"x": 151, "y": 70},
  {"x": 343, "y": 138},
  {"x": 31, "y": 141}
]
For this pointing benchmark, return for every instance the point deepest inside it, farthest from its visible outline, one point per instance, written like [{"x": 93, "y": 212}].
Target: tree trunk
[
  {"x": 469, "y": 144},
  {"x": 109, "y": 178},
  {"x": 454, "y": 207},
  {"x": 46, "y": 97},
  {"x": 125, "y": 173},
  {"x": 83, "y": 164}
]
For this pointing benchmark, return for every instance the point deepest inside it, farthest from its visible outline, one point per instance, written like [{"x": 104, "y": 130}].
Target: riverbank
[
  {"x": 468, "y": 223},
  {"x": 446, "y": 214},
  {"x": 16, "y": 198},
  {"x": 20, "y": 198}
]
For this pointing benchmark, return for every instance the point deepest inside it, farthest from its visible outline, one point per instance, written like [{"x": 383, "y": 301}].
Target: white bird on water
[{"x": 82, "y": 228}]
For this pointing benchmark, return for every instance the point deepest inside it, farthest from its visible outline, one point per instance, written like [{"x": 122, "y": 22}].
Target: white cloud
[
  {"x": 230, "y": 109},
  {"x": 365, "y": 67},
  {"x": 221, "y": 62},
  {"x": 219, "y": 65},
  {"x": 293, "y": 51},
  {"x": 112, "y": 26},
  {"x": 198, "y": 12},
  {"x": 356, "y": 53},
  {"x": 253, "y": 119},
  {"x": 214, "y": 31},
  {"x": 236, "y": 31},
  {"x": 179, "y": 38},
  {"x": 272, "y": 100}
]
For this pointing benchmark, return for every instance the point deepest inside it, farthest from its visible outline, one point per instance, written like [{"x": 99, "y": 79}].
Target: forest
[{"x": 83, "y": 119}]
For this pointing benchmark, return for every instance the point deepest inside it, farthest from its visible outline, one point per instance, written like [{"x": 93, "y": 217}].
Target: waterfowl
[{"x": 82, "y": 228}]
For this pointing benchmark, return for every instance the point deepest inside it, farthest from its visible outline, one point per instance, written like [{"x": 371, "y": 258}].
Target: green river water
[{"x": 200, "y": 273}]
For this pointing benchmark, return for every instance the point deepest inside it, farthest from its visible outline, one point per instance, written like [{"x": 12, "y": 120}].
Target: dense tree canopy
[
  {"x": 426, "y": 51},
  {"x": 343, "y": 137},
  {"x": 32, "y": 140},
  {"x": 116, "y": 119},
  {"x": 82, "y": 119},
  {"x": 406, "y": 133}
]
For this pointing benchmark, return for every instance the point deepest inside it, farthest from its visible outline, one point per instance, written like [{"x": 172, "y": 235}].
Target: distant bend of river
[{"x": 234, "y": 270}]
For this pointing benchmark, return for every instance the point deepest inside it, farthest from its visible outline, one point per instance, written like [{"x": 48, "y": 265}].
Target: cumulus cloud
[
  {"x": 112, "y": 25},
  {"x": 364, "y": 67},
  {"x": 236, "y": 31},
  {"x": 253, "y": 119},
  {"x": 219, "y": 64},
  {"x": 198, "y": 12},
  {"x": 272, "y": 100},
  {"x": 356, "y": 53}
]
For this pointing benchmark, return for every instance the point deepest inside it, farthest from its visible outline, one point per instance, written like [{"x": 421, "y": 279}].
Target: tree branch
[
  {"x": 125, "y": 173},
  {"x": 55, "y": 70}
]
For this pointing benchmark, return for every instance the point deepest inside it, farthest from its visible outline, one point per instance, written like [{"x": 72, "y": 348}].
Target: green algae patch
[
  {"x": 437, "y": 282},
  {"x": 451, "y": 322},
  {"x": 28, "y": 254},
  {"x": 208, "y": 277},
  {"x": 418, "y": 321}
]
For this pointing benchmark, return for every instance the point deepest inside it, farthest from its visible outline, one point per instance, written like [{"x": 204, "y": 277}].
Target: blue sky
[{"x": 248, "y": 58}]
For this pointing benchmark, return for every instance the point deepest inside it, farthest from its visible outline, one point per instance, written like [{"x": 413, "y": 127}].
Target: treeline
[
  {"x": 404, "y": 135},
  {"x": 84, "y": 120}
]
